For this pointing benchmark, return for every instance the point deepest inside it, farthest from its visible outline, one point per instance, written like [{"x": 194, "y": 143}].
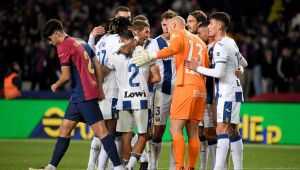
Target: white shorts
[
  {"x": 130, "y": 118},
  {"x": 108, "y": 108},
  {"x": 228, "y": 112},
  {"x": 208, "y": 120},
  {"x": 161, "y": 107}
]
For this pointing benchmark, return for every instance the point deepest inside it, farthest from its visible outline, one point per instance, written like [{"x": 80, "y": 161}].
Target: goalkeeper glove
[{"x": 141, "y": 57}]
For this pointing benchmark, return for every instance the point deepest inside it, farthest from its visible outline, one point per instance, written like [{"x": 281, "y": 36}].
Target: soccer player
[
  {"x": 78, "y": 63},
  {"x": 121, "y": 11},
  {"x": 133, "y": 101},
  {"x": 197, "y": 24},
  {"x": 229, "y": 93},
  {"x": 163, "y": 92},
  {"x": 188, "y": 101}
]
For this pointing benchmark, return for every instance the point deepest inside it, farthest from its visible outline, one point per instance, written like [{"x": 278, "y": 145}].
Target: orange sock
[
  {"x": 194, "y": 147},
  {"x": 179, "y": 150}
]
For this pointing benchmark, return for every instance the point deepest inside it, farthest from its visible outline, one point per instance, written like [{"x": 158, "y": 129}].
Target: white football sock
[
  {"x": 102, "y": 159},
  {"x": 94, "y": 153},
  {"x": 155, "y": 152},
  {"x": 212, "y": 155},
  {"x": 172, "y": 159},
  {"x": 134, "y": 158},
  {"x": 237, "y": 154},
  {"x": 148, "y": 153},
  {"x": 203, "y": 155},
  {"x": 50, "y": 167},
  {"x": 222, "y": 150}
]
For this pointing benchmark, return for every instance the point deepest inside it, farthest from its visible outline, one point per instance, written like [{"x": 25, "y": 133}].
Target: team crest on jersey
[{"x": 218, "y": 53}]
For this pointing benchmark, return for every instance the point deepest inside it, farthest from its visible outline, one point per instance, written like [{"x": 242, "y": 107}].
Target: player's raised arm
[{"x": 99, "y": 30}]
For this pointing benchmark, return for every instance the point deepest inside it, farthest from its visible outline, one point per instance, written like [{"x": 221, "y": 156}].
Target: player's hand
[
  {"x": 102, "y": 95},
  {"x": 239, "y": 72},
  {"x": 141, "y": 57},
  {"x": 53, "y": 88},
  {"x": 98, "y": 31},
  {"x": 192, "y": 65}
]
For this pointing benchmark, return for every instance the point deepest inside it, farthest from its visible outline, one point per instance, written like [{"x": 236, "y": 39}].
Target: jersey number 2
[{"x": 135, "y": 70}]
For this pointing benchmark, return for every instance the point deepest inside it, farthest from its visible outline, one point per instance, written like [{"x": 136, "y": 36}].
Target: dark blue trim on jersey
[
  {"x": 210, "y": 81},
  {"x": 150, "y": 87},
  {"x": 149, "y": 119},
  {"x": 148, "y": 41},
  {"x": 238, "y": 96},
  {"x": 114, "y": 111},
  {"x": 222, "y": 136},
  {"x": 127, "y": 105},
  {"x": 227, "y": 110},
  {"x": 144, "y": 104},
  {"x": 235, "y": 139},
  {"x": 166, "y": 85},
  {"x": 76, "y": 85}
]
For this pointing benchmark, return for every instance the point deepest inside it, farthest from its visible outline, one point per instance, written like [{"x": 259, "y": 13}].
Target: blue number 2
[{"x": 135, "y": 70}]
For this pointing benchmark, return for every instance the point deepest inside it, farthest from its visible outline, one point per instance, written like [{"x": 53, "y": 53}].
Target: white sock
[
  {"x": 134, "y": 140},
  {"x": 203, "y": 155},
  {"x": 120, "y": 167},
  {"x": 118, "y": 145},
  {"x": 148, "y": 153},
  {"x": 172, "y": 160},
  {"x": 155, "y": 152},
  {"x": 227, "y": 161},
  {"x": 212, "y": 155},
  {"x": 50, "y": 167},
  {"x": 237, "y": 153},
  {"x": 94, "y": 153},
  {"x": 134, "y": 158},
  {"x": 144, "y": 157},
  {"x": 222, "y": 150},
  {"x": 102, "y": 159}
]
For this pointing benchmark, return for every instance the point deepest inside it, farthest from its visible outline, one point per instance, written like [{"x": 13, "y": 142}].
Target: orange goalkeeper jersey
[{"x": 186, "y": 46}]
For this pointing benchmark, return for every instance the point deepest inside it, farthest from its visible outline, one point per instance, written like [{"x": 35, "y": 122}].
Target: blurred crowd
[{"x": 267, "y": 32}]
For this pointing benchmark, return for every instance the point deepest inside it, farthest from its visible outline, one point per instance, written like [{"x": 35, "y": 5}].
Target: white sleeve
[
  {"x": 151, "y": 46},
  {"x": 91, "y": 42},
  {"x": 220, "y": 54},
  {"x": 213, "y": 72},
  {"x": 242, "y": 61}
]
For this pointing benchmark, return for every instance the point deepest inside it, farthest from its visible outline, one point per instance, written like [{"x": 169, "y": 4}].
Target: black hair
[
  {"x": 50, "y": 27},
  {"x": 117, "y": 24},
  {"x": 199, "y": 15},
  {"x": 126, "y": 33},
  {"x": 122, "y": 8},
  {"x": 223, "y": 17}
]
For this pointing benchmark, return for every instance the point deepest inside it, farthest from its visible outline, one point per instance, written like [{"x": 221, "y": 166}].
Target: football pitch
[{"x": 20, "y": 154}]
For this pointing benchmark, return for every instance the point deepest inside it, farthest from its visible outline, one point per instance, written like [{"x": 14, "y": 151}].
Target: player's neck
[
  {"x": 165, "y": 37},
  {"x": 219, "y": 36}
]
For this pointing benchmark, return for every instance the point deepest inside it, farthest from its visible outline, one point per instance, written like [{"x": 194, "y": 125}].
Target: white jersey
[
  {"x": 228, "y": 86},
  {"x": 106, "y": 46},
  {"x": 132, "y": 82},
  {"x": 166, "y": 66}
]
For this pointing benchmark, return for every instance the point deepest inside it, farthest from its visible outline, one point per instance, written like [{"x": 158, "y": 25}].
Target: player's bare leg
[
  {"x": 126, "y": 146},
  {"x": 137, "y": 150},
  {"x": 236, "y": 146}
]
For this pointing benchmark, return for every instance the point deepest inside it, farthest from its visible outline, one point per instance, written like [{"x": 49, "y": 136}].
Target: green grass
[{"x": 21, "y": 154}]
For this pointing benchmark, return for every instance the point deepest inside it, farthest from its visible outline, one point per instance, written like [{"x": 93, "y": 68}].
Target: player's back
[
  {"x": 228, "y": 85},
  {"x": 105, "y": 47},
  {"x": 193, "y": 48},
  {"x": 132, "y": 82},
  {"x": 166, "y": 66},
  {"x": 78, "y": 55}
]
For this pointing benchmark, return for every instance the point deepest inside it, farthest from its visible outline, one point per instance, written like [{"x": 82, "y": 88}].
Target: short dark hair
[
  {"x": 169, "y": 14},
  {"x": 199, "y": 15},
  {"x": 50, "y": 27},
  {"x": 141, "y": 18},
  {"x": 205, "y": 24},
  {"x": 122, "y": 8},
  {"x": 223, "y": 17},
  {"x": 126, "y": 33},
  {"x": 117, "y": 24},
  {"x": 139, "y": 25}
]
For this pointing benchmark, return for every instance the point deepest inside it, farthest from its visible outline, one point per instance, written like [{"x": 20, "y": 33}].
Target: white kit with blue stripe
[
  {"x": 132, "y": 82},
  {"x": 229, "y": 92}
]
